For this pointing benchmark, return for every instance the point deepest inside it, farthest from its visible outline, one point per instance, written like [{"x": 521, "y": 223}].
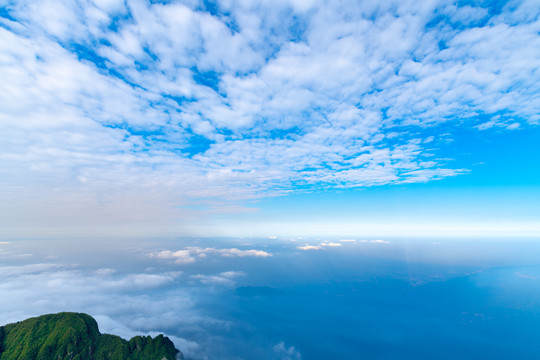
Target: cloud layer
[
  {"x": 190, "y": 254},
  {"x": 139, "y": 108}
]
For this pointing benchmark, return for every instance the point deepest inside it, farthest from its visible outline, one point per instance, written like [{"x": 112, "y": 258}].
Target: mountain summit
[{"x": 75, "y": 336}]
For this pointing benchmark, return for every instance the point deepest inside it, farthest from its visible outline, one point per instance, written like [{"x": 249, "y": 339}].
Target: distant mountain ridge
[{"x": 75, "y": 336}]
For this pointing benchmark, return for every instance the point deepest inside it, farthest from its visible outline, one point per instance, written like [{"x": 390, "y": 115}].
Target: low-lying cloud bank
[
  {"x": 125, "y": 304},
  {"x": 190, "y": 254}
]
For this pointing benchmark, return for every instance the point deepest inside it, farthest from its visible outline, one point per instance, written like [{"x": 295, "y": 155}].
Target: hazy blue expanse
[{"x": 270, "y": 299}]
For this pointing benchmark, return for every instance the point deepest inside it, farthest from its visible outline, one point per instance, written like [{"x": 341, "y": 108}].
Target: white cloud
[
  {"x": 242, "y": 253},
  {"x": 380, "y": 242},
  {"x": 232, "y": 274},
  {"x": 213, "y": 280},
  {"x": 513, "y": 126},
  {"x": 179, "y": 256},
  {"x": 145, "y": 280},
  {"x": 189, "y": 254},
  {"x": 14, "y": 271},
  {"x": 320, "y": 246},
  {"x": 309, "y": 247}
]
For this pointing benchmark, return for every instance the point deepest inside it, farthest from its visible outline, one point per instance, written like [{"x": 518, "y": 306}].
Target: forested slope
[{"x": 75, "y": 336}]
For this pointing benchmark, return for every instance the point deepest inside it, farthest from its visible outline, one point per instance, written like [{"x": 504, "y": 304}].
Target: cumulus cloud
[
  {"x": 331, "y": 244},
  {"x": 309, "y": 247},
  {"x": 241, "y": 253},
  {"x": 179, "y": 256},
  {"x": 320, "y": 246},
  {"x": 189, "y": 254}
]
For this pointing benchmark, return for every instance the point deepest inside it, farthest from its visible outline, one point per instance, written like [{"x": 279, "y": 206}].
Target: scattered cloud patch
[
  {"x": 380, "y": 242},
  {"x": 213, "y": 280},
  {"x": 309, "y": 247},
  {"x": 143, "y": 280},
  {"x": 375, "y": 241},
  {"x": 232, "y": 274},
  {"x": 331, "y": 244},
  {"x": 286, "y": 353},
  {"x": 180, "y": 256},
  {"x": 525, "y": 276},
  {"x": 105, "y": 271},
  {"x": 242, "y": 253},
  {"x": 513, "y": 126},
  {"x": 190, "y": 254}
]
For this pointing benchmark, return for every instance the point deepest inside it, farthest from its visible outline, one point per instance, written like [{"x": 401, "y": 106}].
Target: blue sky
[{"x": 125, "y": 118}]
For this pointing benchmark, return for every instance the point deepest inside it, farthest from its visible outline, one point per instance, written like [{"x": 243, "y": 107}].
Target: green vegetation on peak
[{"x": 75, "y": 336}]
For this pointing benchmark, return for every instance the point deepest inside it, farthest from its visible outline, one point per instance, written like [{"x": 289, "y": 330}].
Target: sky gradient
[{"x": 269, "y": 118}]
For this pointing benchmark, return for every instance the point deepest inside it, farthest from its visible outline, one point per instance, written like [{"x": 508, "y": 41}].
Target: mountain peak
[{"x": 75, "y": 336}]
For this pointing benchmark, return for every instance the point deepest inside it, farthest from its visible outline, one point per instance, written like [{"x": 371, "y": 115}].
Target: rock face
[{"x": 75, "y": 336}]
